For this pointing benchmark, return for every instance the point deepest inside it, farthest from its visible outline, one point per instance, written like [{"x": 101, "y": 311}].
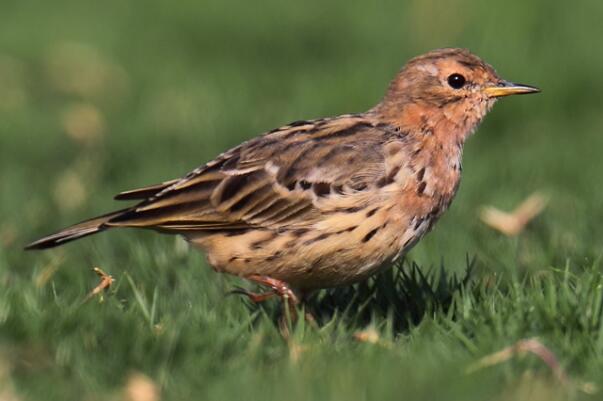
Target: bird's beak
[{"x": 505, "y": 88}]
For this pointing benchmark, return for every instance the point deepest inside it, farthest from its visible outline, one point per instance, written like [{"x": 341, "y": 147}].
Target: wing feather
[
  {"x": 145, "y": 192},
  {"x": 290, "y": 176}
]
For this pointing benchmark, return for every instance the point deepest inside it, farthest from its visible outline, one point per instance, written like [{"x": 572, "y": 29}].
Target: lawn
[{"x": 99, "y": 97}]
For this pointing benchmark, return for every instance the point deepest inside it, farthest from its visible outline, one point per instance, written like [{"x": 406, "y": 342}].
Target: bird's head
[{"x": 448, "y": 87}]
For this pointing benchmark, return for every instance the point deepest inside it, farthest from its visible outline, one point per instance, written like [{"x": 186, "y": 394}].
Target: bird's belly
[{"x": 310, "y": 259}]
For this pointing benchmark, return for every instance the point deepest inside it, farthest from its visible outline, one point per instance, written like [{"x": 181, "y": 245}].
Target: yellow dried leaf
[{"x": 513, "y": 223}]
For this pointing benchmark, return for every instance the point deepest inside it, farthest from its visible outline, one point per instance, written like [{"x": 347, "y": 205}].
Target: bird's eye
[{"x": 456, "y": 81}]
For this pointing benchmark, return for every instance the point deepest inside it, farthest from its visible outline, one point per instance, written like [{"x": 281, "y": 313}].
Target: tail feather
[{"x": 83, "y": 229}]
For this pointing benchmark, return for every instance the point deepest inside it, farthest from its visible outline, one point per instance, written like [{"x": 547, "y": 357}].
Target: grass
[{"x": 97, "y": 98}]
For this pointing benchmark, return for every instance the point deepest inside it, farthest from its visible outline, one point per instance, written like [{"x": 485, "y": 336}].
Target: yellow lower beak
[{"x": 505, "y": 88}]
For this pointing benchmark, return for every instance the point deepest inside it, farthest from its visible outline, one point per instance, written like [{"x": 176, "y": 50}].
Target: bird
[{"x": 325, "y": 202}]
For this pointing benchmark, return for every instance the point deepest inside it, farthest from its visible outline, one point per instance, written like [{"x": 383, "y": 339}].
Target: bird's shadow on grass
[{"x": 404, "y": 294}]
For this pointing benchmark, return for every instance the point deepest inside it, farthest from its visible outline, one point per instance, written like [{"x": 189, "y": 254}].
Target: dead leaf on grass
[{"x": 513, "y": 223}]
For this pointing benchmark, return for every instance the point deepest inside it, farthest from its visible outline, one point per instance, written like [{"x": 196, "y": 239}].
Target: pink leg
[
  {"x": 254, "y": 297},
  {"x": 278, "y": 288}
]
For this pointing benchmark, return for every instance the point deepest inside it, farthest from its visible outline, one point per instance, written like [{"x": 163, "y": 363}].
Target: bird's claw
[{"x": 253, "y": 296}]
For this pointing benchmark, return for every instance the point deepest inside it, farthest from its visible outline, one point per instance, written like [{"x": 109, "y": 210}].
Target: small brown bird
[{"x": 326, "y": 202}]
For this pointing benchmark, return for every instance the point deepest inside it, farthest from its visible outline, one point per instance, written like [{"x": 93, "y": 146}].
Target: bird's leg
[
  {"x": 281, "y": 289},
  {"x": 254, "y": 297},
  {"x": 278, "y": 288}
]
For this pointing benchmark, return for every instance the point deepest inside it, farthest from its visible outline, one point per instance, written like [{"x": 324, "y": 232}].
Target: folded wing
[{"x": 288, "y": 177}]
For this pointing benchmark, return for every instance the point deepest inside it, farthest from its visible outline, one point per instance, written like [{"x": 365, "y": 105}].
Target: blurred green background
[{"x": 99, "y": 97}]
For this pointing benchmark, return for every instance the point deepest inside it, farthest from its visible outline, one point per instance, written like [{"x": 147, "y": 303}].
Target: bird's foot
[
  {"x": 254, "y": 297},
  {"x": 277, "y": 288},
  {"x": 290, "y": 298}
]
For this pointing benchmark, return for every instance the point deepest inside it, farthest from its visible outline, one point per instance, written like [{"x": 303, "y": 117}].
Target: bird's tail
[{"x": 76, "y": 231}]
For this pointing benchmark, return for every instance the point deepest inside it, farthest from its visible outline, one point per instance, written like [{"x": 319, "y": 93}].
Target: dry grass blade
[
  {"x": 513, "y": 223},
  {"x": 47, "y": 272},
  {"x": 535, "y": 347},
  {"x": 532, "y": 346},
  {"x": 106, "y": 280}
]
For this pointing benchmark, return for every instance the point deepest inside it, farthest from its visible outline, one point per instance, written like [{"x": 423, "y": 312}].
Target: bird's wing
[
  {"x": 145, "y": 192},
  {"x": 287, "y": 177}
]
